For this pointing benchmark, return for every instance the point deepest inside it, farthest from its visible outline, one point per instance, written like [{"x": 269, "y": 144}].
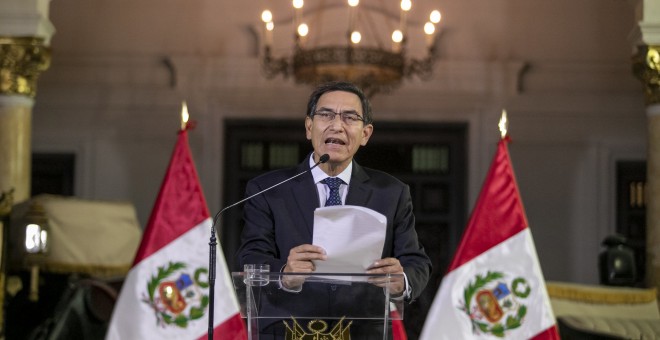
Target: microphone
[
  {"x": 322, "y": 160},
  {"x": 212, "y": 241}
]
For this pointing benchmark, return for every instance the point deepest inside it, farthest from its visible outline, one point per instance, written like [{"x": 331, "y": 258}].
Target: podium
[{"x": 331, "y": 305}]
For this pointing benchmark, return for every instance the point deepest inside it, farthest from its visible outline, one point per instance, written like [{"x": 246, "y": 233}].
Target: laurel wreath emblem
[
  {"x": 512, "y": 321},
  {"x": 162, "y": 317}
]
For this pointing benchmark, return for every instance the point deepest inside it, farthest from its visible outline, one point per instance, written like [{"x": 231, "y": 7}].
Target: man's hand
[
  {"x": 300, "y": 261},
  {"x": 388, "y": 265}
]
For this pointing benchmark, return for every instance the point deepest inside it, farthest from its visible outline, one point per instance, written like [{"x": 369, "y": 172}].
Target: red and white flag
[
  {"x": 494, "y": 287},
  {"x": 166, "y": 292},
  {"x": 398, "y": 329}
]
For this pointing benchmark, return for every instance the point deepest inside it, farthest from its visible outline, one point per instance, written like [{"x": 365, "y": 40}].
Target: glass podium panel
[{"x": 333, "y": 305}]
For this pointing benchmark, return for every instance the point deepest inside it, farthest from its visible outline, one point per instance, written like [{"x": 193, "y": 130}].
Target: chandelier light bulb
[
  {"x": 356, "y": 37},
  {"x": 303, "y": 29},
  {"x": 435, "y": 16},
  {"x": 270, "y": 26},
  {"x": 298, "y": 4},
  {"x": 429, "y": 28},
  {"x": 266, "y": 16},
  {"x": 397, "y": 36},
  {"x": 406, "y": 5},
  {"x": 353, "y": 3}
]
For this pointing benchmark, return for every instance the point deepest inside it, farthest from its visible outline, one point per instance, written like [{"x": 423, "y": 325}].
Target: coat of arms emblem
[
  {"x": 176, "y": 295},
  {"x": 493, "y": 305}
]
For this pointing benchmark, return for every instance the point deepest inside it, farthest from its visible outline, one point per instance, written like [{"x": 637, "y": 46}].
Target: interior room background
[{"x": 562, "y": 69}]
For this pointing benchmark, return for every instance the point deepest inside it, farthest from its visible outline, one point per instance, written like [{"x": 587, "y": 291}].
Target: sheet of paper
[{"x": 352, "y": 236}]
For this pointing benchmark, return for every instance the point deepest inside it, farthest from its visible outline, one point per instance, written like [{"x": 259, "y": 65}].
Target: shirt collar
[{"x": 319, "y": 175}]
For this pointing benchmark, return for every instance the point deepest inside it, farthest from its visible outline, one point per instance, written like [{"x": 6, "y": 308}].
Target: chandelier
[{"x": 334, "y": 41}]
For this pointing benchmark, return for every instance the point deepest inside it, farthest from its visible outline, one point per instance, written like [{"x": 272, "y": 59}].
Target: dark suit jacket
[{"x": 283, "y": 218}]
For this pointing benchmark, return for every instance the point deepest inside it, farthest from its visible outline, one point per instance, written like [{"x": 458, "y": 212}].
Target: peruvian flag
[
  {"x": 494, "y": 287},
  {"x": 166, "y": 292}
]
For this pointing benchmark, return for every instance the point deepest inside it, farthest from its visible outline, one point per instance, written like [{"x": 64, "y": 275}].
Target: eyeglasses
[{"x": 349, "y": 118}]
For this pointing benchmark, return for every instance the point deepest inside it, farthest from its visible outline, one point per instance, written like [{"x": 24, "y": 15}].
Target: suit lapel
[
  {"x": 358, "y": 192},
  {"x": 306, "y": 197}
]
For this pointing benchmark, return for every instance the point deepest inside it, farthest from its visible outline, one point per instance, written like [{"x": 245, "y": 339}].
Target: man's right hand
[{"x": 300, "y": 261}]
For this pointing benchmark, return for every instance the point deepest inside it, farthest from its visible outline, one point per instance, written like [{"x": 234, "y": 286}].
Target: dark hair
[{"x": 340, "y": 86}]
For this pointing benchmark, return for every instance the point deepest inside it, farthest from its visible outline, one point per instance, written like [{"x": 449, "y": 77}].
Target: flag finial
[
  {"x": 503, "y": 124},
  {"x": 184, "y": 115}
]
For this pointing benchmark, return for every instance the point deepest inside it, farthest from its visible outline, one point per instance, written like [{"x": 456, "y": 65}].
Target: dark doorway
[
  {"x": 631, "y": 211},
  {"x": 53, "y": 173}
]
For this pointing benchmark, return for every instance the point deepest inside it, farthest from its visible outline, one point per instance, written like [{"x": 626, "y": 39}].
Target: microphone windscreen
[{"x": 324, "y": 158}]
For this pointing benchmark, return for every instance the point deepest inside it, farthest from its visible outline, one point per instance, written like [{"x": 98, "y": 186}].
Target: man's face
[{"x": 337, "y": 138}]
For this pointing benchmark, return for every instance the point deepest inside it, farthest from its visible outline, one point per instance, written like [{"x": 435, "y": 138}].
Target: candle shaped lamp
[
  {"x": 267, "y": 18},
  {"x": 352, "y": 15},
  {"x": 397, "y": 38},
  {"x": 297, "y": 12},
  {"x": 406, "y": 5},
  {"x": 270, "y": 26},
  {"x": 434, "y": 20},
  {"x": 429, "y": 30},
  {"x": 302, "y": 32}
]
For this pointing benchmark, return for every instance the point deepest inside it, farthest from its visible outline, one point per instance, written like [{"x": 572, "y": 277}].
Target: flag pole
[
  {"x": 212, "y": 260},
  {"x": 185, "y": 116},
  {"x": 212, "y": 246},
  {"x": 212, "y": 242}
]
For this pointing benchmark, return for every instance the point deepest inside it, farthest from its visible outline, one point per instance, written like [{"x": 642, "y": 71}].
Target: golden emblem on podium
[{"x": 316, "y": 329}]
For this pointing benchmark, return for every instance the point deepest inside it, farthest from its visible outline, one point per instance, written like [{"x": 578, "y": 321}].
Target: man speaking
[{"x": 279, "y": 224}]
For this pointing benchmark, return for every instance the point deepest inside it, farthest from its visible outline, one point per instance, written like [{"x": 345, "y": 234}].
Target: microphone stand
[{"x": 213, "y": 243}]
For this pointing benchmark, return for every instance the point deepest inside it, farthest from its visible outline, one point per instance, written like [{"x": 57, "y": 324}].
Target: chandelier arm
[
  {"x": 422, "y": 68},
  {"x": 274, "y": 66}
]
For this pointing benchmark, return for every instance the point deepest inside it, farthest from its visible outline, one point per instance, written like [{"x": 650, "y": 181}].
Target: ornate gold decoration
[
  {"x": 599, "y": 294},
  {"x": 374, "y": 70},
  {"x": 6, "y": 202},
  {"x": 646, "y": 66},
  {"x": 316, "y": 328},
  {"x": 371, "y": 63},
  {"x": 22, "y": 59}
]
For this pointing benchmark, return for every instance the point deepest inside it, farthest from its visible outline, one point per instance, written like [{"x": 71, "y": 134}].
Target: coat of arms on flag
[
  {"x": 494, "y": 287},
  {"x": 176, "y": 296},
  {"x": 493, "y": 305}
]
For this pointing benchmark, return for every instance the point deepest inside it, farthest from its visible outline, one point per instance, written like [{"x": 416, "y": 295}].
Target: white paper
[{"x": 352, "y": 236}]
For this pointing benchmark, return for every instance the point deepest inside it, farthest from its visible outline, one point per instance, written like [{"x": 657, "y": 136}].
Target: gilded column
[
  {"x": 22, "y": 59},
  {"x": 646, "y": 66},
  {"x": 25, "y": 33}
]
